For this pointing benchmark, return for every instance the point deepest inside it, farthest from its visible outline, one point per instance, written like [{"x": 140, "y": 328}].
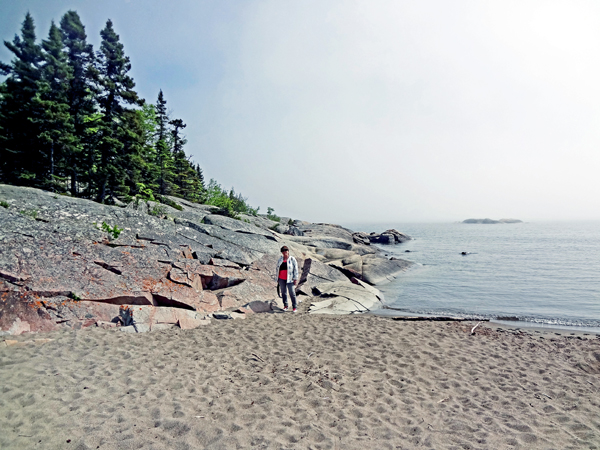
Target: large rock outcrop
[
  {"x": 72, "y": 262},
  {"x": 388, "y": 237}
]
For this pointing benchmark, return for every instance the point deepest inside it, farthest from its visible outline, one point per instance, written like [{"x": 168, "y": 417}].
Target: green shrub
[
  {"x": 158, "y": 210},
  {"x": 144, "y": 193},
  {"x": 4, "y": 204},
  {"x": 229, "y": 203},
  {"x": 272, "y": 216},
  {"x": 30, "y": 213},
  {"x": 114, "y": 230}
]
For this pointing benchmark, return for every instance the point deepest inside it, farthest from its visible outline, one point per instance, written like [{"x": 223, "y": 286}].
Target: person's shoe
[
  {"x": 285, "y": 308},
  {"x": 295, "y": 309}
]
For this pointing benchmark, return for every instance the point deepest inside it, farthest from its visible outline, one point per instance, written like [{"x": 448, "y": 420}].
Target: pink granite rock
[{"x": 19, "y": 327}]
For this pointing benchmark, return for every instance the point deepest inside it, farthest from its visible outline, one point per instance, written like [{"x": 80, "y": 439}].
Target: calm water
[{"x": 541, "y": 273}]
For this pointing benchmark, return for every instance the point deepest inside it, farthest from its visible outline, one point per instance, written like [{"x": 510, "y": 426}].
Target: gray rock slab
[
  {"x": 230, "y": 224},
  {"x": 324, "y": 242},
  {"x": 321, "y": 230},
  {"x": 364, "y": 298},
  {"x": 314, "y": 272},
  {"x": 259, "y": 221},
  {"x": 379, "y": 270}
]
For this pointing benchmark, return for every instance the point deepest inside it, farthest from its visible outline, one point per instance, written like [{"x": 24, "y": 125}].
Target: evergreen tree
[
  {"x": 200, "y": 177},
  {"x": 117, "y": 93},
  {"x": 162, "y": 117},
  {"x": 55, "y": 125},
  {"x": 82, "y": 101},
  {"x": 19, "y": 153},
  {"x": 150, "y": 171},
  {"x": 180, "y": 162},
  {"x": 68, "y": 121},
  {"x": 133, "y": 164},
  {"x": 164, "y": 157},
  {"x": 189, "y": 184}
]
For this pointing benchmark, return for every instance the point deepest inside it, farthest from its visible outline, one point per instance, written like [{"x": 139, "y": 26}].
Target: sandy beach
[{"x": 295, "y": 381}]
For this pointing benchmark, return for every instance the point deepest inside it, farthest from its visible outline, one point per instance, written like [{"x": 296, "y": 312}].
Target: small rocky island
[
  {"x": 142, "y": 266},
  {"x": 492, "y": 221}
]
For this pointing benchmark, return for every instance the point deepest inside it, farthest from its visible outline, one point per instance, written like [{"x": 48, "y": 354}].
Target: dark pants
[{"x": 290, "y": 288}]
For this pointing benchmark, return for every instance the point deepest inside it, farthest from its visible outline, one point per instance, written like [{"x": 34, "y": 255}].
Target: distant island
[{"x": 486, "y": 221}]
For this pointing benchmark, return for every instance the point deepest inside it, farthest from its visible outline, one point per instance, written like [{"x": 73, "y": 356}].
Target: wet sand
[{"x": 296, "y": 381}]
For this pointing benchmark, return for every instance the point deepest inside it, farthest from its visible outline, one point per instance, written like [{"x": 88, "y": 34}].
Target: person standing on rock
[{"x": 287, "y": 277}]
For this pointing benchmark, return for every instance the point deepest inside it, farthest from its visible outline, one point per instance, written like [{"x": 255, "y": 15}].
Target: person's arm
[{"x": 295, "y": 271}]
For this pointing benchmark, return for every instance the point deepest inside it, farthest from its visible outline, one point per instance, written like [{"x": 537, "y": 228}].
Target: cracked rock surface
[{"x": 69, "y": 262}]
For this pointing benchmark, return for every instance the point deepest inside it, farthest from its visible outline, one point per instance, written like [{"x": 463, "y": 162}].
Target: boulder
[
  {"x": 333, "y": 254},
  {"x": 354, "y": 263},
  {"x": 314, "y": 273},
  {"x": 383, "y": 238},
  {"x": 388, "y": 237},
  {"x": 345, "y": 298},
  {"x": 259, "y": 306},
  {"x": 361, "y": 237},
  {"x": 19, "y": 327},
  {"x": 321, "y": 230},
  {"x": 190, "y": 319},
  {"x": 379, "y": 270},
  {"x": 281, "y": 228},
  {"x": 150, "y": 316}
]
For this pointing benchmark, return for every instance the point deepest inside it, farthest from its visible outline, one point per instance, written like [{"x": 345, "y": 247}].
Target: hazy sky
[{"x": 372, "y": 111}]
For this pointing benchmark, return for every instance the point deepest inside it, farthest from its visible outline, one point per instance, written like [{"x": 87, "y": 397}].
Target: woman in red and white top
[{"x": 287, "y": 277}]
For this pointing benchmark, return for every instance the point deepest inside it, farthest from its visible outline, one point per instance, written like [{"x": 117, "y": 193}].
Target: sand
[{"x": 295, "y": 381}]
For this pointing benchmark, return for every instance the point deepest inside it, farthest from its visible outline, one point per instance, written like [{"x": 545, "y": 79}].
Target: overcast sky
[{"x": 372, "y": 111}]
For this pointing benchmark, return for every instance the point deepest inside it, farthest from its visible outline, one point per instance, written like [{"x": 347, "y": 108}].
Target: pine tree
[
  {"x": 150, "y": 171},
  {"x": 82, "y": 95},
  {"x": 55, "y": 125},
  {"x": 19, "y": 155},
  {"x": 162, "y": 117},
  {"x": 117, "y": 92},
  {"x": 200, "y": 177},
  {"x": 132, "y": 159},
  {"x": 164, "y": 157},
  {"x": 179, "y": 159},
  {"x": 186, "y": 176},
  {"x": 68, "y": 114}
]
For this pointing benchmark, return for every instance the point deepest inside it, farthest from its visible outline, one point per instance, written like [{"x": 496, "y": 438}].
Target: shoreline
[
  {"x": 505, "y": 324},
  {"x": 585, "y": 323},
  {"x": 284, "y": 380}
]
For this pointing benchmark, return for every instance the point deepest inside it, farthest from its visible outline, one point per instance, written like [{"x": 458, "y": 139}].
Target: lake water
[{"x": 543, "y": 274}]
